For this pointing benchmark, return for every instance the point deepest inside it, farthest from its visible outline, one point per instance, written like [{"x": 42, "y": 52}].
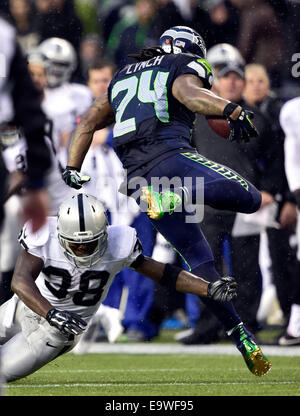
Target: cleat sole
[
  {"x": 154, "y": 210},
  {"x": 260, "y": 365}
]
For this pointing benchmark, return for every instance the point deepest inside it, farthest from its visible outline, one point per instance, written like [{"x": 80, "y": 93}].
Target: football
[{"x": 219, "y": 125}]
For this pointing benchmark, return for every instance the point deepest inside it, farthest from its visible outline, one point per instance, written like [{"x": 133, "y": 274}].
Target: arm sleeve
[
  {"x": 30, "y": 117},
  {"x": 35, "y": 243}
]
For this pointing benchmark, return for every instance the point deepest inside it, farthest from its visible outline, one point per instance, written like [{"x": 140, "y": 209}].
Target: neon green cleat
[
  {"x": 160, "y": 203},
  {"x": 256, "y": 361}
]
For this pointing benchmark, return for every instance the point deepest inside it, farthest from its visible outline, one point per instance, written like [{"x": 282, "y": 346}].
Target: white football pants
[{"x": 28, "y": 341}]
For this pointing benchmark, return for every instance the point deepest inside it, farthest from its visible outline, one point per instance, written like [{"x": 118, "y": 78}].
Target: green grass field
[{"x": 158, "y": 375}]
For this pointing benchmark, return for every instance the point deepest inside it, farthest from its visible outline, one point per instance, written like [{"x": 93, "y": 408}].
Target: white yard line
[
  {"x": 72, "y": 385},
  {"x": 145, "y": 348}
]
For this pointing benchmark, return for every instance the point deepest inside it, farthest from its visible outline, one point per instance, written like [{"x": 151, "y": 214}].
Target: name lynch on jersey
[{"x": 144, "y": 64}]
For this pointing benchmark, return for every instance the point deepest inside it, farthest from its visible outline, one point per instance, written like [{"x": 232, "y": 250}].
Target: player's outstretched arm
[
  {"x": 98, "y": 116},
  {"x": 224, "y": 289}
]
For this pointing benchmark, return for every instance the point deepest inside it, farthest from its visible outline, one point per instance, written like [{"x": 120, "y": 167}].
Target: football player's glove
[
  {"x": 241, "y": 129},
  {"x": 69, "y": 323},
  {"x": 223, "y": 290},
  {"x": 74, "y": 178}
]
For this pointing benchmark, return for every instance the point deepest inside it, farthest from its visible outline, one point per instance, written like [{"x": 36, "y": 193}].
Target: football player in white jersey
[
  {"x": 289, "y": 121},
  {"x": 58, "y": 127},
  {"x": 63, "y": 274},
  {"x": 74, "y": 98}
]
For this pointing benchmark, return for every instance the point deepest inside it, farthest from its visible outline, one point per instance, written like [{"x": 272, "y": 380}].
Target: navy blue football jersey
[{"x": 150, "y": 123}]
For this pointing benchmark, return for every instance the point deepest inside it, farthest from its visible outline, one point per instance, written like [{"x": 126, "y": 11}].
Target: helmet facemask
[
  {"x": 58, "y": 73},
  {"x": 61, "y": 60},
  {"x": 94, "y": 250}
]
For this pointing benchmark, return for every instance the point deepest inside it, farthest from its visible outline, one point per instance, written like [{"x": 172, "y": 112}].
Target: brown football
[{"x": 219, "y": 125}]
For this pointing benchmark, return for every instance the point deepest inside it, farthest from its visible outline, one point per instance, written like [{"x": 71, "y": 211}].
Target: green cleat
[
  {"x": 160, "y": 203},
  {"x": 256, "y": 361}
]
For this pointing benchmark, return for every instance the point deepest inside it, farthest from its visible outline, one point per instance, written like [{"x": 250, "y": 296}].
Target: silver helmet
[
  {"x": 222, "y": 53},
  {"x": 82, "y": 229},
  {"x": 60, "y": 56},
  {"x": 9, "y": 135}
]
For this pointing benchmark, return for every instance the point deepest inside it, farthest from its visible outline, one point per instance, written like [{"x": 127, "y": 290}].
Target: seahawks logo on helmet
[{"x": 179, "y": 39}]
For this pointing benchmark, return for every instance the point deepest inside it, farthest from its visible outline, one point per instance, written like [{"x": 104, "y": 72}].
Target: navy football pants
[{"x": 223, "y": 189}]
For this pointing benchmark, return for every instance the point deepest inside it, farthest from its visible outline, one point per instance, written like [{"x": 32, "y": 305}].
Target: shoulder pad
[
  {"x": 29, "y": 240},
  {"x": 121, "y": 240},
  {"x": 192, "y": 64}
]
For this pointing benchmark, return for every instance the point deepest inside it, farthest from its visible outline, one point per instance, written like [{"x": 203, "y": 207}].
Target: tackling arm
[
  {"x": 183, "y": 281},
  {"x": 98, "y": 116}
]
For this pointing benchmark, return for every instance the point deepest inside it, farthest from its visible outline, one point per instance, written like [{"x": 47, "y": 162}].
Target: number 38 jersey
[
  {"x": 149, "y": 122},
  {"x": 80, "y": 290}
]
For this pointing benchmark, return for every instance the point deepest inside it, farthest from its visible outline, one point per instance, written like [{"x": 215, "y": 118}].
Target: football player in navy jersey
[{"x": 153, "y": 104}]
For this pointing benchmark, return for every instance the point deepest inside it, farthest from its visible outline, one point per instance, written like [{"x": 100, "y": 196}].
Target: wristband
[
  {"x": 297, "y": 198},
  {"x": 169, "y": 277},
  {"x": 229, "y": 109},
  {"x": 72, "y": 168}
]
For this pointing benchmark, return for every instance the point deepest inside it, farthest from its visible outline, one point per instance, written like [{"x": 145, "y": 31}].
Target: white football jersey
[
  {"x": 104, "y": 167},
  {"x": 60, "y": 113},
  {"x": 64, "y": 105},
  {"x": 80, "y": 94},
  {"x": 79, "y": 290},
  {"x": 290, "y": 124},
  {"x": 70, "y": 97}
]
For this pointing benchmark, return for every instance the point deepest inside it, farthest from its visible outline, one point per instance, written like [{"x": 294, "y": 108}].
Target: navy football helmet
[{"x": 180, "y": 39}]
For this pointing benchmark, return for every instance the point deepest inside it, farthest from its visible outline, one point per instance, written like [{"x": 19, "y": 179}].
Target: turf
[{"x": 158, "y": 375}]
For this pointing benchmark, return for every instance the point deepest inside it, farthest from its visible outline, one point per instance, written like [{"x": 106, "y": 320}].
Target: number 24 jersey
[{"x": 149, "y": 120}]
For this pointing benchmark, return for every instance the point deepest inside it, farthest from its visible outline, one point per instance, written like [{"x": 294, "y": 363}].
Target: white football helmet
[
  {"x": 82, "y": 229},
  {"x": 222, "y": 53},
  {"x": 61, "y": 60}
]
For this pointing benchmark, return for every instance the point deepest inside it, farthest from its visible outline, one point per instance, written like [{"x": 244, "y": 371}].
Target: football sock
[
  {"x": 224, "y": 311},
  {"x": 239, "y": 333},
  {"x": 293, "y": 328}
]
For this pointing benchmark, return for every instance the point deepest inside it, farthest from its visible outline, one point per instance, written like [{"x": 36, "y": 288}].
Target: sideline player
[
  {"x": 153, "y": 103},
  {"x": 289, "y": 121},
  {"x": 64, "y": 273}
]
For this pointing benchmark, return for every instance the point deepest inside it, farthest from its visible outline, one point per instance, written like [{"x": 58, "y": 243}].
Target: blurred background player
[
  {"x": 258, "y": 93},
  {"x": 57, "y": 128},
  {"x": 61, "y": 94},
  {"x": 20, "y": 105}
]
